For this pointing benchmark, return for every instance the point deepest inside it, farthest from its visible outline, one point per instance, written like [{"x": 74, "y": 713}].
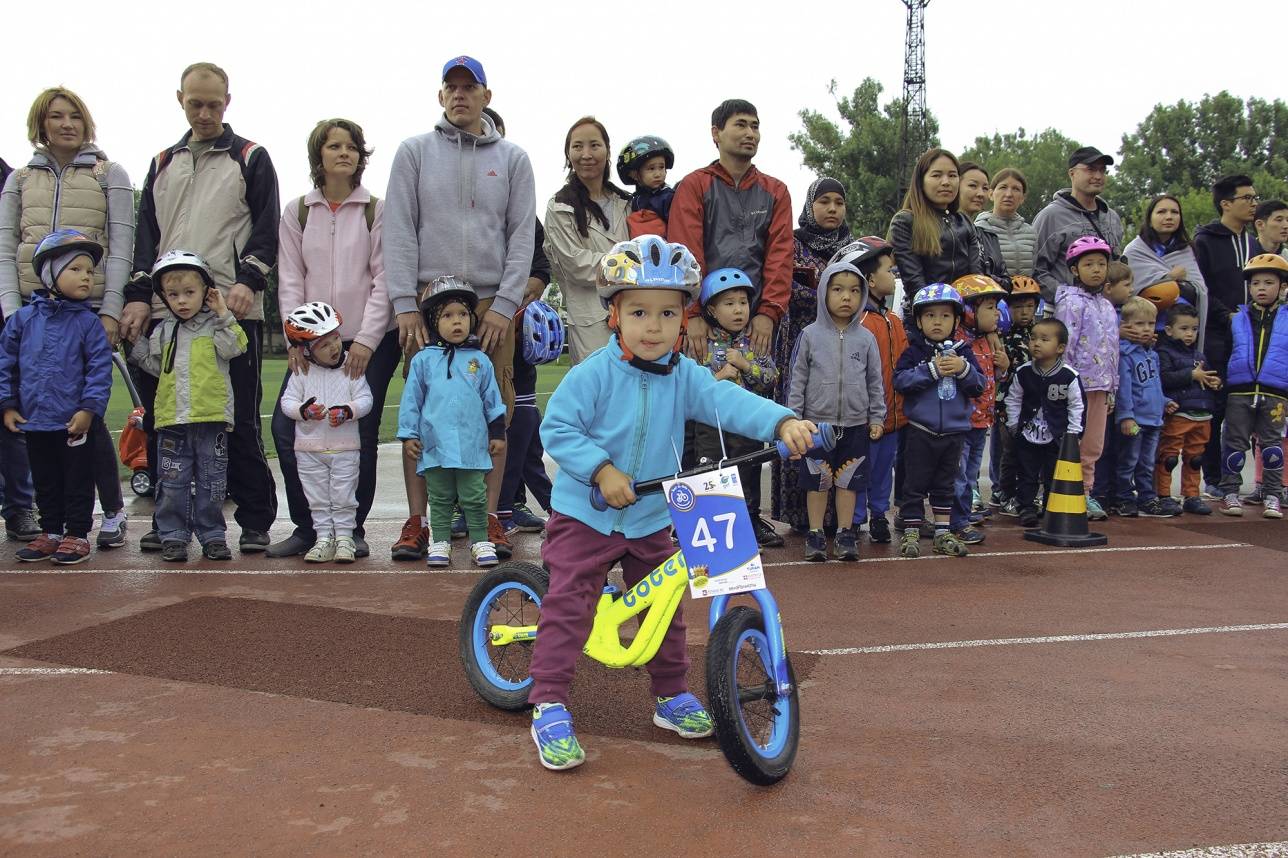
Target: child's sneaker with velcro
[
  {"x": 557, "y": 745},
  {"x": 440, "y": 554},
  {"x": 484, "y": 554},
  {"x": 72, "y": 549},
  {"x": 40, "y": 548},
  {"x": 684, "y": 714}
]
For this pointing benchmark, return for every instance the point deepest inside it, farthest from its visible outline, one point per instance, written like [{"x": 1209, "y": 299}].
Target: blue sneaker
[
  {"x": 1095, "y": 512},
  {"x": 685, "y": 715},
  {"x": 556, "y": 742},
  {"x": 460, "y": 529}
]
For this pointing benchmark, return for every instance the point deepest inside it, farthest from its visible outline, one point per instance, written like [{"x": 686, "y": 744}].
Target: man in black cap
[{"x": 1076, "y": 211}]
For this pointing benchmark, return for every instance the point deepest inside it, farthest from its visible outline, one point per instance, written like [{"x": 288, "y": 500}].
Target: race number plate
[{"x": 710, "y": 517}]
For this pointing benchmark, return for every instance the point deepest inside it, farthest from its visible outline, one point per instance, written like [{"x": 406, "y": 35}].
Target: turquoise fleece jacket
[{"x": 607, "y": 411}]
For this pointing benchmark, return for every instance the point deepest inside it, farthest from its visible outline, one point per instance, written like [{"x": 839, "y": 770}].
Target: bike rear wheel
[
  {"x": 758, "y": 728},
  {"x": 511, "y": 595}
]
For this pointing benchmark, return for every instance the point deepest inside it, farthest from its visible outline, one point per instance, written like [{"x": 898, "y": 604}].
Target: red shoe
[
  {"x": 496, "y": 536},
  {"x": 40, "y": 548},
  {"x": 412, "y": 542},
  {"x": 73, "y": 549}
]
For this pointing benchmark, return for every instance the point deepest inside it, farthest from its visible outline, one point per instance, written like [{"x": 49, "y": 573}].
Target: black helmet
[{"x": 640, "y": 150}]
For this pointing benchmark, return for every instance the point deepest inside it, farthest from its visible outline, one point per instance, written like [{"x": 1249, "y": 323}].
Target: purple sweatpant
[{"x": 579, "y": 558}]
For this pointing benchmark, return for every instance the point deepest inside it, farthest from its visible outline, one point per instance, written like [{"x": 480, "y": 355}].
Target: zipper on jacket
[
  {"x": 640, "y": 426},
  {"x": 332, "y": 248},
  {"x": 840, "y": 385}
]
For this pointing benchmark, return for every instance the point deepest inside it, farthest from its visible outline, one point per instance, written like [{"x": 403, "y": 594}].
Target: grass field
[{"x": 274, "y": 369}]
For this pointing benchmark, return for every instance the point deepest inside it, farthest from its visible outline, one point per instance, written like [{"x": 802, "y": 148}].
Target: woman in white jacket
[
  {"x": 330, "y": 251},
  {"x": 584, "y": 219},
  {"x": 1162, "y": 253}
]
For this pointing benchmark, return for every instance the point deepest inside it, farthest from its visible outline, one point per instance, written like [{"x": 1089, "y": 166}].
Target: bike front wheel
[
  {"x": 758, "y": 728},
  {"x": 509, "y": 595}
]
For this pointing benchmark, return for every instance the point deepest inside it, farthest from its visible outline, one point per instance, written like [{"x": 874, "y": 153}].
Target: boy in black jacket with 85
[
  {"x": 938, "y": 379},
  {"x": 1042, "y": 404},
  {"x": 1188, "y": 386}
]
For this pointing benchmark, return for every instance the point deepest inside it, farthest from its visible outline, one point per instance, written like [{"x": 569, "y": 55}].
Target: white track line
[
  {"x": 49, "y": 671},
  {"x": 1038, "y": 552},
  {"x": 1237, "y": 850},
  {"x": 421, "y": 570},
  {"x": 1153, "y": 633}
]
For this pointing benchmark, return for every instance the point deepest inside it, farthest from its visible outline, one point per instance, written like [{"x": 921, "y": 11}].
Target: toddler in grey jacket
[{"x": 836, "y": 378}]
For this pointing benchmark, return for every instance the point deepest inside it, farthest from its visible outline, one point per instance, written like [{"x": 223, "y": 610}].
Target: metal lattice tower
[{"x": 913, "y": 136}]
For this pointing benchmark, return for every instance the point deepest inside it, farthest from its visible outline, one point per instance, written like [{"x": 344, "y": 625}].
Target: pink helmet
[{"x": 1087, "y": 244}]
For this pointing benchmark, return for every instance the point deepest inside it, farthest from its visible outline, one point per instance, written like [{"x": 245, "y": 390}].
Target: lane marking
[
  {"x": 1234, "y": 850},
  {"x": 49, "y": 671},
  {"x": 422, "y": 570},
  {"x": 1039, "y": 552},
  {"x": 1046, "y": 639}
]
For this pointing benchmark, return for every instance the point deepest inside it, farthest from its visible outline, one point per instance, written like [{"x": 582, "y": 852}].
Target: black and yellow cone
[{"x": 1065, "y": 523}]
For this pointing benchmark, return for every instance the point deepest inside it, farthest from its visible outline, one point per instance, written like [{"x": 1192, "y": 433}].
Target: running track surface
[{"x": 1018, "y": 702}]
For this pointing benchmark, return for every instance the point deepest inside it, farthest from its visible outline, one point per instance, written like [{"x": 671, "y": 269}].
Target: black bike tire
[
  {"x": 528, "y": 574},
  {"x": 739, "y": 748}
]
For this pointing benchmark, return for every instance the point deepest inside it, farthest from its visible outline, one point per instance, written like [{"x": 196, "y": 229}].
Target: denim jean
[
  {"x": 1135, "y": 467},
  {"x": 973, "y": 443},
  {"x": 197, "y": 452}
]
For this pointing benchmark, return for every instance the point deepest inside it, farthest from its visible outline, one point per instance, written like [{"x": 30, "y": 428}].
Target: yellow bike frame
[{"x": 661, "y": 590}]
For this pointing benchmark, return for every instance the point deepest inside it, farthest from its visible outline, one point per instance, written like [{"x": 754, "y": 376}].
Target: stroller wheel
[{"x": 141, "y": 483}]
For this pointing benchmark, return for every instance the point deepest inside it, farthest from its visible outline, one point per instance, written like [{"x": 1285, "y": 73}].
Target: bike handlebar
[{"x": 824, "y": 440}]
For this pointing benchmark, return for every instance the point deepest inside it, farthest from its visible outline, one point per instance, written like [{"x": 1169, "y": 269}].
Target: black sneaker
[
  {"x": 525, "y": 520},
  {"x": 1029, "y": 517},
  {"x": 1155, "y": 508},
  {"x": 253, "y": 541},
  {"x": 23, "y": 526},
  {"x": 151, "y": 541},
  {"x": 174, "y": 551},
  {"x": 815, "y": 545},
  {"x": 847, "y": 544},
  {"x": 1125, "y": 509},
  {"x": 360, "y": 547},
  {"x": 878, "y": 530},
  {"x": 1195, "y": 505},
  {"x": 766, "y": 536},
  {"x": 215, "y": 549}
]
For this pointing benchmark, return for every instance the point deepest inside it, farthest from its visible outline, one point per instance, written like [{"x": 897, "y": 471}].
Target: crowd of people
[{"x": 971, "y": 332}]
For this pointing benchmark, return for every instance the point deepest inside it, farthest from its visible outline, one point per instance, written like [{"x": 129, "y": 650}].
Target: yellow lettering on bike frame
[{"x": 659, "y": 594}]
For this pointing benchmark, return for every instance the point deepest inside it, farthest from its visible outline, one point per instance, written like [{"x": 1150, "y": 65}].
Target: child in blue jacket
[
  {"x": 1138, "y": 412},
  {"x": 938, "y": 378},
  {"x": 618, "y": 417},
  {"x": 55, "y": 380},
  {"x": 451, "y": 419}
]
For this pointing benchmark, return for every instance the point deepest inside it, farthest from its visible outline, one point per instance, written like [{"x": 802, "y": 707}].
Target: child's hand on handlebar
[
  {"x": 798, "y": 435},
  {"x": 617, "y": 488}
]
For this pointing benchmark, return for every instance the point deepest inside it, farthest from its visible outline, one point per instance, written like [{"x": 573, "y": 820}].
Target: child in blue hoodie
[
  {"x": 1138, "y": 413},
  {"x": 837, "y": 379},
  {"x": 939, "y": 378},
  {"x": 55, "y": 380},
  {"x": 618, "y": 417}
]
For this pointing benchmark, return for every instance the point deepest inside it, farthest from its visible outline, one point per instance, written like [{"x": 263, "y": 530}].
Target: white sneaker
[
  {"x": 484, "y": 554},
  {"x": 440, "y": 554},
  {"x": 344, "y": 549},
  {"x": 323, "y": 551}
]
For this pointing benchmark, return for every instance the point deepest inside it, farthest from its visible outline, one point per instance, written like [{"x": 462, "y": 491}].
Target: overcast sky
[{"x": 1092, "y": 69}]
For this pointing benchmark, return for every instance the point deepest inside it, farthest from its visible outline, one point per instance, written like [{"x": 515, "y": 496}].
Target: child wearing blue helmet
[
  {"x": 617, "y": 417},
  {"x": 939, "y": 378},
  {"x": 726, "y": 298},
  {"x": 55, "y": 380}
]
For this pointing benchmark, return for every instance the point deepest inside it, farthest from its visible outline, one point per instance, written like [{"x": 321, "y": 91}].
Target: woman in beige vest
[{"x": 70, "y": 184}]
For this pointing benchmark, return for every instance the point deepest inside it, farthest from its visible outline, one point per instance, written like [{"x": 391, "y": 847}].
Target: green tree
[
  {"x": 863, "y": 155},
  {"x": 1042, "y": 158},
  {"x": 1183, "y": 148}
]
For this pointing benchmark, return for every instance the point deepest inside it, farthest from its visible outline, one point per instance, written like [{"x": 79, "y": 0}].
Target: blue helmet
[
  {"x": 62, "y": 241},
  {"x": 722, "y": 280},
  {"x": 937, "y": 293},
  {"x": 543, "y": 333},
  {"x": 647, "y": 262}
]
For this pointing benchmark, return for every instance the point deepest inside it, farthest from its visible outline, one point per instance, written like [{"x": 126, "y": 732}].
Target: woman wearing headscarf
[{"x": 823, "y": 231}]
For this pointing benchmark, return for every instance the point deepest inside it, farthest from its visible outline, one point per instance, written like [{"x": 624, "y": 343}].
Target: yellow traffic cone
[{"x": 1065, "y": 523}]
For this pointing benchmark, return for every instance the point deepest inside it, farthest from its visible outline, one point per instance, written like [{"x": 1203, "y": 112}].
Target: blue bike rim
[
  {"x": 482, "y": 628},
  {"x": 780, "y": 724}
]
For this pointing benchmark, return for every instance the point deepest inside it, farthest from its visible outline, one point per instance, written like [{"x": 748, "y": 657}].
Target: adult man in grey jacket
[
  {"x": 1076, "y": 211},
  {"x": 461, "y": 202}
]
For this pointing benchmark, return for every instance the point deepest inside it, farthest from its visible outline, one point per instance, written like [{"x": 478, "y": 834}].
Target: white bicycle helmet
[{"x": 307, "y": 324}]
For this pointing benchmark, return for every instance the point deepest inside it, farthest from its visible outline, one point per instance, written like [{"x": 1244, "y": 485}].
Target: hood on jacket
[
  {"x": 451, "y": 132},
  {"x": 88, "y": 155},
  {"x": 1064, "y": 198},
  {"x": 824, "y": 317}
]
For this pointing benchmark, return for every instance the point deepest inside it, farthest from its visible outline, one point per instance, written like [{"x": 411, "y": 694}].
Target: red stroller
[{"x": 133, "y": 446}]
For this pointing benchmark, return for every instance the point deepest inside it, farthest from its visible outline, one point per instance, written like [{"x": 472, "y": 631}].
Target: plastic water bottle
[{"x": 947, "y": 387}]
